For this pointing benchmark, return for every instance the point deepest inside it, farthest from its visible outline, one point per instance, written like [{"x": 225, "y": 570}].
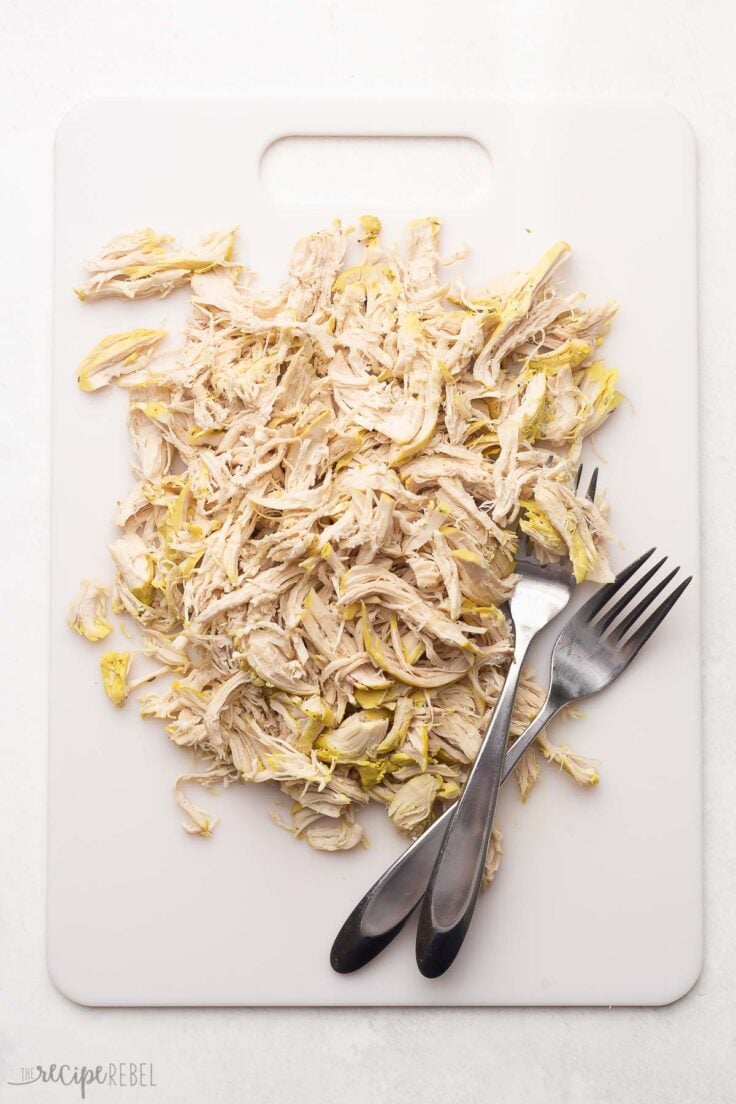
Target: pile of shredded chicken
[{"x": 320, "y": 535}]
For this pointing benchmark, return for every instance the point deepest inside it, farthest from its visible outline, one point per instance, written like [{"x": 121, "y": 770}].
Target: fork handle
[
  {"x": 381, "y": 914},
  {"x": 449, "y": 902}
]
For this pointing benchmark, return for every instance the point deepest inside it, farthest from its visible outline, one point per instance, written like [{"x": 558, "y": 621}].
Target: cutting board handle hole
[{"x": 423, "y": 174}]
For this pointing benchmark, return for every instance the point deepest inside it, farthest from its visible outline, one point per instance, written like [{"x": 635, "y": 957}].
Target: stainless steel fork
[
  {"x": 594, "y": 647},
  {"x": 448, "y": 905}
]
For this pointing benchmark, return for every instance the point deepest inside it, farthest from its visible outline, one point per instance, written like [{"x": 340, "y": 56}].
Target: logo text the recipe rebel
[{"x": 119, "y": 1075}]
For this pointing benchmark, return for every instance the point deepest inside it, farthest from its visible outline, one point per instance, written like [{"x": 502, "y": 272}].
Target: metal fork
[
  {"x": 541, "y": 592},
  {"x": 593, "y": 649}
]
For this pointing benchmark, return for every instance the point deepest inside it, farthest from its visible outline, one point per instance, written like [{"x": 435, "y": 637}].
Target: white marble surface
[{"x": 53, "y": 54}]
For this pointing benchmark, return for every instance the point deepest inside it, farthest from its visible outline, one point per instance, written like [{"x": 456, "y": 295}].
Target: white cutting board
[{"x": 599, "y": 896}]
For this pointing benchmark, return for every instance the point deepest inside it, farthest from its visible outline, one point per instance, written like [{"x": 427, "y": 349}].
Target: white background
[{"x": 51, "y": 55}]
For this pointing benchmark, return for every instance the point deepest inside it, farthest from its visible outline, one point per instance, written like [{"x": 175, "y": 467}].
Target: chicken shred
[
  {"x": 87, "y": 612},
  {"x": 328, "y": 481}
]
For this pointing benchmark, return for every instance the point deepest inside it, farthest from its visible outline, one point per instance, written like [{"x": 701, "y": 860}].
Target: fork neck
[
  {"x": 523, "y": 636},
  {"x": 522, "y": 639},
  {"x": 556, "y": 700}
]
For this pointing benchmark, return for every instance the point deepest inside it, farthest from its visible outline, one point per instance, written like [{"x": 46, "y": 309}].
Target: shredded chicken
[
  {"x": 87, "y": 612},
  {"x": 145, "y": 263},
  {"x": 321, "y": 529}
]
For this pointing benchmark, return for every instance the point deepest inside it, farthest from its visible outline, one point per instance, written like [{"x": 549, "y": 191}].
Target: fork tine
[
  {"x": 590, "y": 493},
  {"x": 638, "y": 610},
  {"x": 601, "y": 597},
  {"x": 578, "y": 477},
  {"x": 642, "y": 634},
  {"x": 627, "y": 597},
  {"x": 521, "y": 550}
]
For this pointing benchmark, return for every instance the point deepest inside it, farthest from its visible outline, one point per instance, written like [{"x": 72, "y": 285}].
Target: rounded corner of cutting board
[
  {"x": 65, "y": 983},
  {"x": 679, "y": 123},
  {"x": 79, "y": 114},
  {"x": 684, "y": 981}
]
